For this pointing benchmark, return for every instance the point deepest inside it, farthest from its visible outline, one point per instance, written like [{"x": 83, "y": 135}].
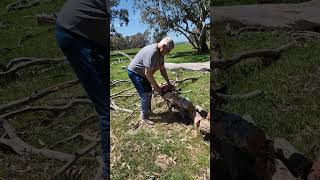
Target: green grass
[
  {"x": 39, "y": 128},
  {"x": 290, "y": 105},
  {"x": 170, "y": 136}
]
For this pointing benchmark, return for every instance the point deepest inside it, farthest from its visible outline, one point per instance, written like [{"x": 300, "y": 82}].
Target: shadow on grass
[{"x": 171, "y": 117}]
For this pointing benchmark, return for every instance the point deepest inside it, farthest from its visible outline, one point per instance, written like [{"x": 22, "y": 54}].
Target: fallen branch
[
  {"x": 75, "y": 157},
  {"x": 124, "y": 95},
  {"x": 94, "y": 115},
  {"x": 249, "y": 54},
  {"x": 192, "y": 79},
  {"x": 46, "y": 108},
  {"x": 310, "y": 34},
  {"x": 239, "y": 96},
  {"x": 37, "y": 95},
  {"x": 115, "y": 94},
  {"x": 117, "y": 108},
  {"x": 46, "y": 18},
  {"x": 100, "y": 168},
  {"x": 115, "y": 82},
  {"x": 82, "y": 135},
  {"x": 122, "y": 53},
  {"x": 20, "y": 147},
  {"x": 197, "y": 66},
  {"x": 32, "y": 62},
  {"x": 243, "y": 29},
  {"x": 22, "y": 4}
]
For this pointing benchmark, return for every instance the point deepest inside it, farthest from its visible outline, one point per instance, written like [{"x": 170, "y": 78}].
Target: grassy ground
[
  {"x": 40, "y": 129},
  {"x": 134, "y": 155},
  {"x": 290, "y": 105}
]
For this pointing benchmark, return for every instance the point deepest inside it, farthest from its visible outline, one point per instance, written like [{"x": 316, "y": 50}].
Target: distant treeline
[{"x": 120, "y": 42}]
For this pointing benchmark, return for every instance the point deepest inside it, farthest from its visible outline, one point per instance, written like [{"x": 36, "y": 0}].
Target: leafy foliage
[{"x": 187, "y": 17}]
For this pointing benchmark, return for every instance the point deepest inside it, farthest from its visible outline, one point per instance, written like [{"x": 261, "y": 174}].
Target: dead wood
[
  {"x": 115, "y": 94},
  {"x": 82, "y": 135},
  {"x": 117, "y": 108},
  {"x": 22, "y": 4},
  {"x": 46, "y": 18},
  {"x": 239, "y": 96},
  {"x": 249, "y": 54},
  {"x": 100, "y": 167},
  {"x": 124, "y": 95},
  {"x": 38, "y": 94},
  {"x": 192, "y": 79},
  {"x": 115, "y": 82},
  {"x": 85, "y": 120},
  {"x": 75, "y": 157},
  {"x": 20, "y": 147},
  {"x": 46, "y": 108},
  {"x": 237, "y": 33},
  {"x": 123, "y": 54},
  {"x": 307, "y": 34},
  {"x": 32, "y": 62},
  {"x": 197, "y": 66}
]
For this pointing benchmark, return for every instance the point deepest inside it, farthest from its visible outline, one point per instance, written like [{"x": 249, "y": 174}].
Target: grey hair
[{"x": 168, "y": 42}]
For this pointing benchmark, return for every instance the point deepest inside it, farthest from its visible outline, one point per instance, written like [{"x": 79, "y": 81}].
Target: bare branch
[
  {"x": 239, "y": 96},
  {"x": 37, "y": 95},
  {"x": 249, "y": 54},
  {"x": 19, "y": 146},
  {"x": 34, "y": 61},
  {"x": 46, "y": 108}
]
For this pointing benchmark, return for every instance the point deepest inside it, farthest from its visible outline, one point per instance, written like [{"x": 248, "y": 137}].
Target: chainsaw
[{"x": 169, "y": 88}]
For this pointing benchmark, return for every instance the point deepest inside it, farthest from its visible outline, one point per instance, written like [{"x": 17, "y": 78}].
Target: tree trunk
[{"x": 203, "y": 47}]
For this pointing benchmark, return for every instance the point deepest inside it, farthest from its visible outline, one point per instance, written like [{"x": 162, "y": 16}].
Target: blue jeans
[
  {"x": 144, "y": 89},
  {"x": 89, "y": 62}
]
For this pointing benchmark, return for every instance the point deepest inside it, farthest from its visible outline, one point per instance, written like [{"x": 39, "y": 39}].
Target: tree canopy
[{"x": 187, "y": 17}]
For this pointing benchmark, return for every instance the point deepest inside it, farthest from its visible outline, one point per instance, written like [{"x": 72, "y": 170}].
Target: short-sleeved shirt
[
  {"x": 88, "y": 18},
  {"x": 148, "y": 56}
]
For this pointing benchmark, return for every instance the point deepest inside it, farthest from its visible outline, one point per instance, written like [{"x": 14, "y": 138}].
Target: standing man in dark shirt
[{"x": 82, "y": 33}]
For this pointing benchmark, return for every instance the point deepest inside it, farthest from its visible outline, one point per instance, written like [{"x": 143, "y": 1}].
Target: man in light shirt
[{"x": 141, "y": 70}]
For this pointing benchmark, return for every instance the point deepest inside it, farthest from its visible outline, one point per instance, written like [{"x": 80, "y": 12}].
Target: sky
[{"x": 135, "y": 25}]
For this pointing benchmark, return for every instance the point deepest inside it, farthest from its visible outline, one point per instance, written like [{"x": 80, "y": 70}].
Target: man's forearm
[
  {"x": 152, "y": 80},
  {"x": 164, "y": 74}
]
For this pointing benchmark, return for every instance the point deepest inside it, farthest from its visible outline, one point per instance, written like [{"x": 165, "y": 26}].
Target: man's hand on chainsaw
[
  {"x": 167, "y": 88},
  {"x": 157, "y": 89}
]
